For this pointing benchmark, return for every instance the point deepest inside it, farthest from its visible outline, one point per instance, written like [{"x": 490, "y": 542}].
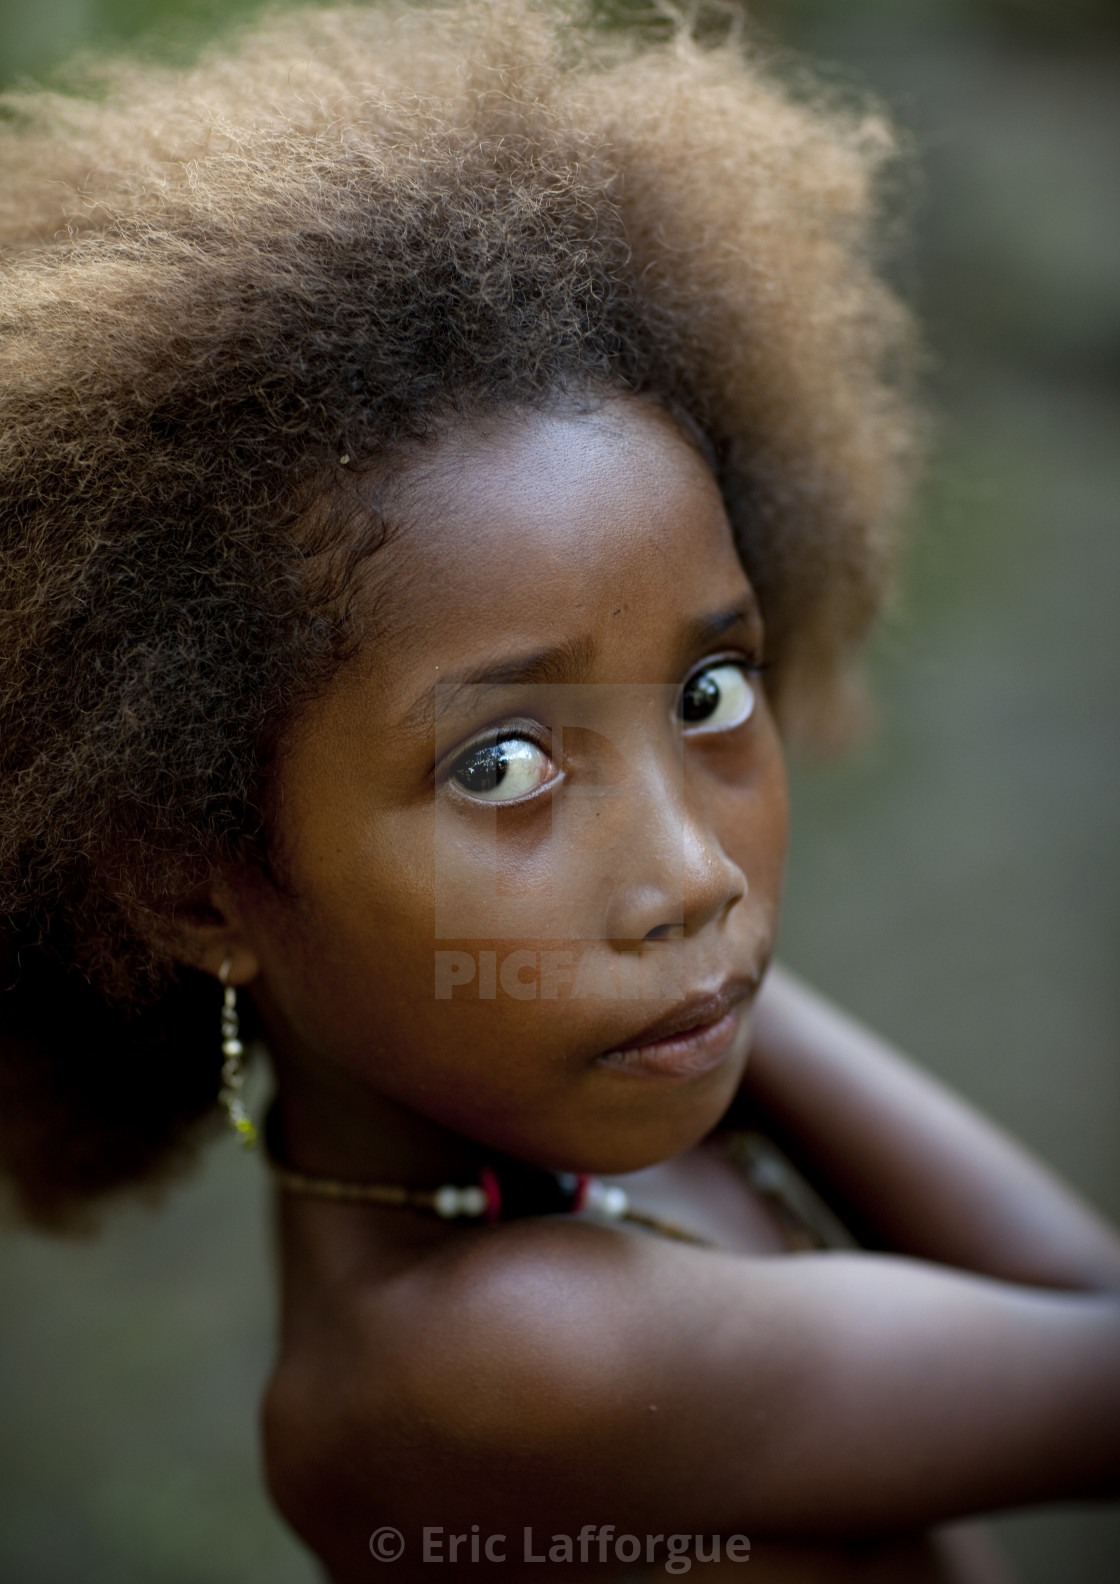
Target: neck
[{"x": 337, "y": 1127}]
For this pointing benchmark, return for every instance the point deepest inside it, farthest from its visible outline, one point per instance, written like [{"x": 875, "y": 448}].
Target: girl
[{"x": 446, "y": 454}]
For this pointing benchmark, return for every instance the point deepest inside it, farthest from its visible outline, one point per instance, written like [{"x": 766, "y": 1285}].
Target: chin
[{"x": 665, "y": 1124}]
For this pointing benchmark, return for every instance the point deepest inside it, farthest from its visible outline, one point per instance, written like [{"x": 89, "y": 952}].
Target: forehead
[
  {"x": 535, "y": 528},
  {"x": 594, "y": 542}
]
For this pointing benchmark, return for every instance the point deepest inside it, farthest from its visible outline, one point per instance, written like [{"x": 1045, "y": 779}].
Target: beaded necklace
[
  {"x": 510, "y": 1192},
  {"x": 513, "y": 1191}
]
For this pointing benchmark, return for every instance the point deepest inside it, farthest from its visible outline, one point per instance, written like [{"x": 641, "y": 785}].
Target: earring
[{"x": 233, "y": 1070}]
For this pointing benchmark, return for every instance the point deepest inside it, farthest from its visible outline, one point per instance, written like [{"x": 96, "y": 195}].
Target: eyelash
[
  {"x": 510, "y": 731},
  {"x": 753, "y": 665}
]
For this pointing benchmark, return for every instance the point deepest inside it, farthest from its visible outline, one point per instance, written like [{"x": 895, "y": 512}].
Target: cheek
[
  {"x": 359, "y": 977},
  {"x": 493, "y": 870},
  {"x": 454, "y": 1029},
  {"x": 745, "y": 794},
  {"x": 352, "y": 942}
]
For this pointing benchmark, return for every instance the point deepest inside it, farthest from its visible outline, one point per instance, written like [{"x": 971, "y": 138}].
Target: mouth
[{"x": 689, "y": 1041}]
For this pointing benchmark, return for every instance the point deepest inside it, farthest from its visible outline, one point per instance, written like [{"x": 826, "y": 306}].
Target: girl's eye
[
  {"x": 498, "y": 772},
  {"x": 717, "y": 698}
]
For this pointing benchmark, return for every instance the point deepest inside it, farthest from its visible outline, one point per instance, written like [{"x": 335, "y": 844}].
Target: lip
[{"x": 687, "y": 1042}]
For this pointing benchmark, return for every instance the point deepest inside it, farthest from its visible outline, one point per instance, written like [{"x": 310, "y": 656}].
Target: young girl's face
[{"x": 542, "y": 816}]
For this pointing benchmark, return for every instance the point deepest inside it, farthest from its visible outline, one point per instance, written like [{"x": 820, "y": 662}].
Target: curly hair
[{"x": 230, "y": 298}]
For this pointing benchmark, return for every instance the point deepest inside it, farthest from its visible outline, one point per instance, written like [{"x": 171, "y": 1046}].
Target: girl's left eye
[
  {"x": 498, "y": 772},
  {"x": 717, "y": 698}
]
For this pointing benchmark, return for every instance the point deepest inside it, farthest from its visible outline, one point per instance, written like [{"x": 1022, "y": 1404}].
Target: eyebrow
[
  {"x": 569, "y": 661},
  {"x": 709, "y": 629},
  {"x": 564, "y": 662}
]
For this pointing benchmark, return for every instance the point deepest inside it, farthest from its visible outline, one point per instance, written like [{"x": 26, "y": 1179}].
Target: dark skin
[{"x": 554, "y": 1372}]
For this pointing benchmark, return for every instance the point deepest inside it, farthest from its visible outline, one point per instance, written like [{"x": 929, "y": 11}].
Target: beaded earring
[{"x": 233, "y": 1070}]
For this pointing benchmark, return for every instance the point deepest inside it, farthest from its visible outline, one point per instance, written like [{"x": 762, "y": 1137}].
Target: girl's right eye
[{"x": 498, "y": 772}]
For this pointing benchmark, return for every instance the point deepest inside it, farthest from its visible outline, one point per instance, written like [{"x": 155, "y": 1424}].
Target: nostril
[{"x": 665, "y": 932}]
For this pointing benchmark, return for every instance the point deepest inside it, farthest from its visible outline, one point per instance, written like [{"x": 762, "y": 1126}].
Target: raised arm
[
  {"x": 909, "y": 1165},
  {"x": 559, "y": 1374},
  {"x": 551, "y": 1373}
]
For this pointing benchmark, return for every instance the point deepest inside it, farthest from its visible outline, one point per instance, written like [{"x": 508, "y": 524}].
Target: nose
[{"x": 674, "y": 875}]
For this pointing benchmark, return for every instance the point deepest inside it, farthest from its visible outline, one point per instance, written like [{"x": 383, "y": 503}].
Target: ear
[{"x": 213, "y": 930}]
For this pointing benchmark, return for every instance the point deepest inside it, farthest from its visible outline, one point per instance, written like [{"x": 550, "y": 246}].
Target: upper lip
[{"x": 699, "y": 1011}]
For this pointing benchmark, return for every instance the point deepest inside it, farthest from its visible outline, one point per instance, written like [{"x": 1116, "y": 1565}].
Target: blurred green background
[{"x": 956, "y": 881}]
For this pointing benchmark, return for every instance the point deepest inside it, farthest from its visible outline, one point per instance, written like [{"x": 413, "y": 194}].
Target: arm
[
  {"x": 908, "y": 1164},
  {"x": 559, "y": 1373},
  {"x": 552, "y": 1373}
]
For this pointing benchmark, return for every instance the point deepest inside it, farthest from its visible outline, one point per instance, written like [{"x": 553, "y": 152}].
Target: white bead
[
  {"x": 606, "y": 1199},
  {"x": 449, "y": 1201},
  {"x": 446, "y": 1202},
  {"x": 232, "y": 1047}
]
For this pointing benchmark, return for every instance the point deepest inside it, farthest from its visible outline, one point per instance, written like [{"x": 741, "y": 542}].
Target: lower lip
[{"x": 689, "y": 1054}]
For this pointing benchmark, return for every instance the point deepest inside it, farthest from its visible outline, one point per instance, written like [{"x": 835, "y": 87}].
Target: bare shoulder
[
  {"x": 549, "y": 1370},
  {"x": 453, "y": 1391},
  {"x": 479, "y": 1335}
]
